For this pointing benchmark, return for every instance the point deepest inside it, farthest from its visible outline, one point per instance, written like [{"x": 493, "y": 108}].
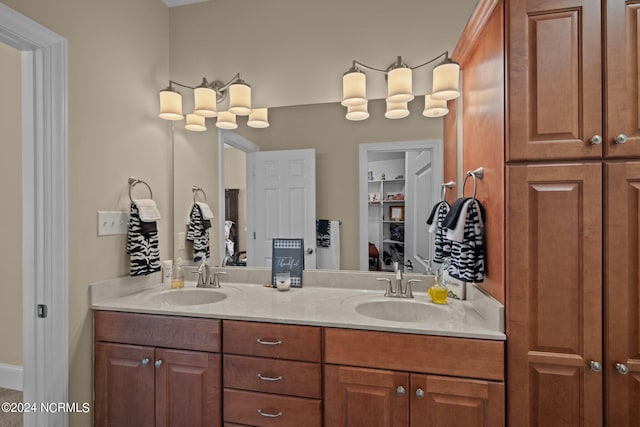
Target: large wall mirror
[{"x": 392, "y": 146}]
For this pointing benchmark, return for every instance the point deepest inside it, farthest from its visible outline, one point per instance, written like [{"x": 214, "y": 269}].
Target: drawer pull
[
  {"x": 263, "y": 378},
  {"x": 145, "y": 361},
  {"x": 268, "y": 415},
  {"x": 269, "y": 342}
]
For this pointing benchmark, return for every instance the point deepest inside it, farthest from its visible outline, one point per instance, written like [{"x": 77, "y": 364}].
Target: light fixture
[
  {"x": 206, "y": 96},
  {"x": 170, "y": 104},
  {"x": 258, "y": 118},
  {"x": 357, "y": 112},
  {"x": 434, "y": 107},
  {"x": 195, "y": 123},
  {"x": 226, "y": 120},
  {"x": 396, "y": 110},
  {"x": 446, "y": 77}
]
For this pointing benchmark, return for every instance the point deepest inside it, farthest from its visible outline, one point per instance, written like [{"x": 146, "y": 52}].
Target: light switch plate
[
  {"x": 182, "y": 237},
  {"x": 112, "y": 222}
]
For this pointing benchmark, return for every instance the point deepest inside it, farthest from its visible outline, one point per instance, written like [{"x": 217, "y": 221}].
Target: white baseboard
[{"x": 11, "y": 376}]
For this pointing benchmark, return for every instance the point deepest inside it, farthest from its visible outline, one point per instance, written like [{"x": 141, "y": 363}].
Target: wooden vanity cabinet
[
  {"x": 272, "y": 374},
  {"x": 139, "y": 382},
  {"x": 391, "y": 380}
]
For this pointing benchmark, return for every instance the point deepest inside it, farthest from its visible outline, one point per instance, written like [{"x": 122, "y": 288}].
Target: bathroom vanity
[{"x": 258, "y": 357}]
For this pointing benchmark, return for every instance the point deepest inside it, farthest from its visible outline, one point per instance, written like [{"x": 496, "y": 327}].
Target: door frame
[
  {"x": 363, "y": 154},
  {"x": 44, "y": 211},
  {"x": 243, "y": 144}
]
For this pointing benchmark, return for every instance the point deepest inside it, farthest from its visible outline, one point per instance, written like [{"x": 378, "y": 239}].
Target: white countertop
[{"x": 311, "y": 305}]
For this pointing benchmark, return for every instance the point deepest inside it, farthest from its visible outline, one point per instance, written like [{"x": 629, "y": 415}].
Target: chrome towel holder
[
  {"x": 197, "y": 189},
  {"x": 135, "y": 181},
  {"x": 445, "y": 186},
  {"x": 475, "y": 174}
]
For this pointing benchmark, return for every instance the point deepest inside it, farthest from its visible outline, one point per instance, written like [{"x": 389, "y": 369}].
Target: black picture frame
[{"x": 287, "y": 255}]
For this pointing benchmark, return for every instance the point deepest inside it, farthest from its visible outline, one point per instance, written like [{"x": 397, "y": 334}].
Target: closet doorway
[{"x": 399, "y": 183}]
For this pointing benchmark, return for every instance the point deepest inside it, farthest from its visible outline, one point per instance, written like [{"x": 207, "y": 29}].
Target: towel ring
[
  {"x": 475, "y": 174},
  {"x": 445, "y": 186},
  {"x": 195, "y": 190},
  {"x": 135, "y": 181}
]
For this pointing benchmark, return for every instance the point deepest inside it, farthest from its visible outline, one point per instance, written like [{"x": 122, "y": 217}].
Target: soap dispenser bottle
[
  {"x": 438, "y": 291},
  {"x": 177, "y": 275}
]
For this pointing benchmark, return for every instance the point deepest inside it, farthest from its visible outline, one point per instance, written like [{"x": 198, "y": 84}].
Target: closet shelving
[{"x": 385, "y": 233}]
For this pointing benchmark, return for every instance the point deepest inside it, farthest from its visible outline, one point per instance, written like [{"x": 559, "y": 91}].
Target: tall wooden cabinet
[{"x": 571, "y": 123}]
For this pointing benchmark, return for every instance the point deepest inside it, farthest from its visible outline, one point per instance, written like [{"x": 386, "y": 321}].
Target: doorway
[{"x": 44, "y": 212}]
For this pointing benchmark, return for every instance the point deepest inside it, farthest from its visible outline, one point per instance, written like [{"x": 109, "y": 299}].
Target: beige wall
[
  {"x": 11, "y": 223},
  {"x": 336, "y": 142},
  {"x": 118, "y": 61}
]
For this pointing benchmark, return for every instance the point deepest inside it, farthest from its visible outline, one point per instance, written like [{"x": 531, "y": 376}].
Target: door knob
[
  {"x": 309, "y": 251},
  {"x": 595, "y": 366},
  {"x": 595, "y": 140},
  {"x": 158, "y": 363},
  {"x": 620, "y": 138},
  {"x": 419, "y": 393},
  {"x": 400, "y": 390},
  {"x": 622, "y": 368}
]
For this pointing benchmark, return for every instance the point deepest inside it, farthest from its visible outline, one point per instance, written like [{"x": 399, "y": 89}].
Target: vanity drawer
[
  {"x": 185, "y": 333},
  {"x": 301, "y": 379},
  {"x": 272, "y": 340},
  {"x": 244, "y": 407}
]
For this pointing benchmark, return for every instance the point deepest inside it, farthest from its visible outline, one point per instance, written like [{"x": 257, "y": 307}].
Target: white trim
[
  {"x": 243, "y": 144},
  {"x": 363, "y": 156},
  {"x": 44, "y": 211},
  {"x": 11, "y": 376}
]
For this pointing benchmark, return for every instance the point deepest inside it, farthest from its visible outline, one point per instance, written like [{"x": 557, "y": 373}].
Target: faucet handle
[
  {"x": 388, "y": 291},
  {"x": 202, "y": 276},
  {"x": 409, "y": 287},
  {"x": 214, "y": 280}
]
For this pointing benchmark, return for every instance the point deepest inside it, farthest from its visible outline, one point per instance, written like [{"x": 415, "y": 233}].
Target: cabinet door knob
[
  {"x": 268, "y": 415},
  {"x": 595, "y": 140},
  {"x": 419, "y": 393},
  {"x": 622, "y": 368},
  {"x": 145, "y": 361},
  {"x": 400, "y": 391},
  {"x": 621, "y": 138},
  {"x": 309, "y": 251},
  {"x": 158, "y": 363},
  {"x": 595, "y": 366}
]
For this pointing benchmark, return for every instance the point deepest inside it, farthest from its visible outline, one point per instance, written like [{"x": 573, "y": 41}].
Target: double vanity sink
[{"x": 333, "y": 305}]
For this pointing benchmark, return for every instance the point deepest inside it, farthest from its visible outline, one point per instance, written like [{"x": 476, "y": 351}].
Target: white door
[
  {"x": 423, "y": 177},
  {"x": 284, "y": 202}
]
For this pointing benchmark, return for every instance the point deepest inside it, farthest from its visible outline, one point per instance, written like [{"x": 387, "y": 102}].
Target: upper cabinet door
[
  {"x": 555, "y": 80},
  {"x": 622, "y": 76}
]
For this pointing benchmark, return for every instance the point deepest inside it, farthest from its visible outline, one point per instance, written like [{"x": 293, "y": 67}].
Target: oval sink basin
[
  {"x": 400, "y": 311},
  {"x": 187, "y": 297}
]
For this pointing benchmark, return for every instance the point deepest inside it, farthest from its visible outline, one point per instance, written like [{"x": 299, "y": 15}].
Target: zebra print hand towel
[
  {"x": 442, "y": 245},
  {"x": 198, "y": 233},
  {"x": 468, "y": 256},
  {"x": 142, "y": 244}
]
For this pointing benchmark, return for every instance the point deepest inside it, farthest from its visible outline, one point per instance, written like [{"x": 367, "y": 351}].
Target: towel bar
[{"x": 135, "y": 181}]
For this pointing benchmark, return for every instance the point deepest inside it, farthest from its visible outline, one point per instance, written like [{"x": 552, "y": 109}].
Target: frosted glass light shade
[
  {"x": 434, "y": 107},
  {"x": 354, "y": 89},
  {"x": 240, "y": 99},
  {"x": 399, "y": 83},
  {"x": 205, "y": 102},
  {"x": 226, "y": 120},
  {"x": 259, "y": 118},
  {"x": 195, "y": 123},
  {"x": 446, "y": 81},
  {"x": 396, "y": 110},
  {"x": 170, "y": 105},
  {"x": 357, "y": 112}
]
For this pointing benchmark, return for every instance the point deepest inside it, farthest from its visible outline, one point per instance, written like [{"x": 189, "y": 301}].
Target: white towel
[
  {"x": 329, "y": 258},
  {"x": 148, "y": 210},
  {"x": 207, "y": 213},
  {"x": 457, "y": 234}
]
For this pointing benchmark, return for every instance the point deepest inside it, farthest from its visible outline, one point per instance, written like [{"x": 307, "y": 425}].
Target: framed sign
[
  {"x": 287, "y": 256},
  {"x": 396, "y": 213}
]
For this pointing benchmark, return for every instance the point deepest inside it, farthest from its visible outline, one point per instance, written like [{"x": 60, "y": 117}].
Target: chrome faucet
[
  {"x": 206, "y": 277},
  {"x": 398, "y": 291}
]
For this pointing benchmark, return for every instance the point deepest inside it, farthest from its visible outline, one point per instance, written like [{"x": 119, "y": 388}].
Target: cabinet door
[
  {"x": 124, "y": 381},
  {"x": 188, "y": 389},
  {"x": 554, "y": 302},
  {"x": 356, "y": 397},
  {"x": 452, "y": 402},
  {"x": 622, "y": 266},
  {"x": 622, "y": 74},
  {"x": 555, "y": 79}
]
